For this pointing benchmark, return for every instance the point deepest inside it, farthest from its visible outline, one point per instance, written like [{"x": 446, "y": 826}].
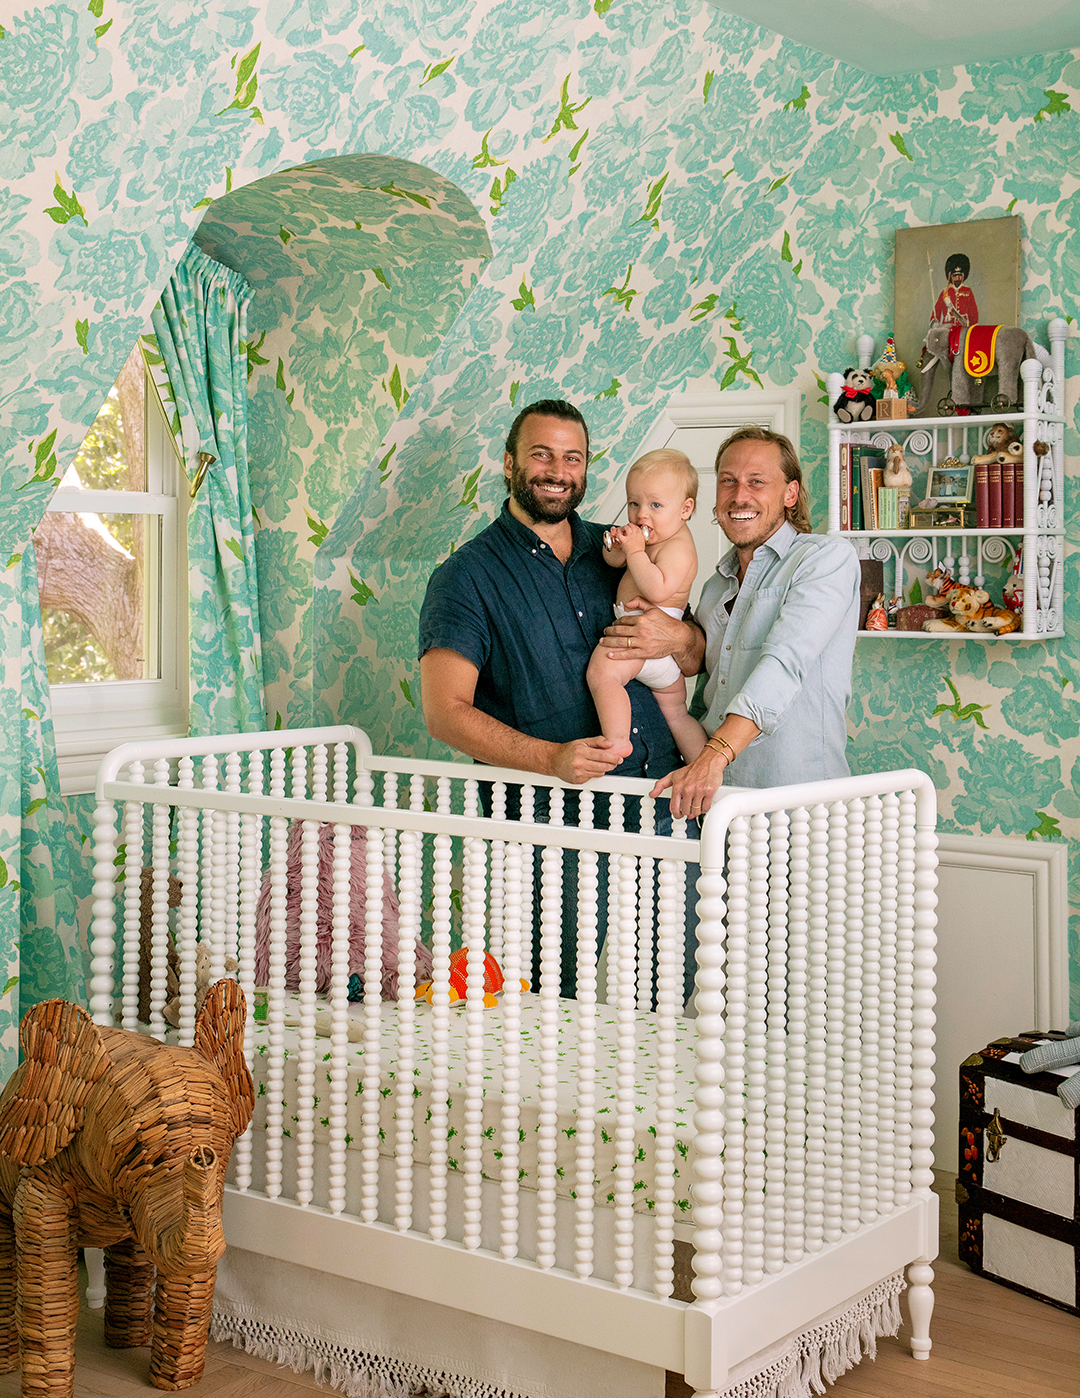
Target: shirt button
[
  {"x": 727, "y": 647},
  {"x": 723, "y": 681},
  {"x": 534, "y": 550},
  {"x": 581, "y": 613},
  {"x": 633, "y": 730}
]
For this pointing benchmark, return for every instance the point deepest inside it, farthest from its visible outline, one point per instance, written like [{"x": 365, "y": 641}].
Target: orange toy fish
[{"x": 459, "y": 977}]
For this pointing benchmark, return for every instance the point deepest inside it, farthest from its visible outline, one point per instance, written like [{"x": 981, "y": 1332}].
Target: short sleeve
[{"x": 453, "y": 616}]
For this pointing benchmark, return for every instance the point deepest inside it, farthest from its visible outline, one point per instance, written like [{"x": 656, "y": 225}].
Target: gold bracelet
[{"x": 725, "y": 750}]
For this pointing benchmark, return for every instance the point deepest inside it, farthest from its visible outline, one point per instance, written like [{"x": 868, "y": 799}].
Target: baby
[{"x": 657, "y": 550}]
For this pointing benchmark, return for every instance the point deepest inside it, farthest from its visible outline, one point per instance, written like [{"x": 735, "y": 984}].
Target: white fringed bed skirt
[{"x": 371, "y": 1343}]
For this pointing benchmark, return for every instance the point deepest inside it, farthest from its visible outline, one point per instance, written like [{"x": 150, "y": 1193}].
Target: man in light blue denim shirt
[{"x": 776, "y": 633}]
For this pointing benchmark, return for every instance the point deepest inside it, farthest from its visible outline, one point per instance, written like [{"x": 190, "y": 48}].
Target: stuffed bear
[{"x": 856, "y": 401}]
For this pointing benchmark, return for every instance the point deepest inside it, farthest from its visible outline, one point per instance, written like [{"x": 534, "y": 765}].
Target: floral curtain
[
  {"x": 201, "y": 375},
  {"x": 50, "y": 955}
]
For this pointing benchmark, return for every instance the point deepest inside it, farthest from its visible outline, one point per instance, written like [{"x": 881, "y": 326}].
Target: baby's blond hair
[{"x": 675, "y": 463}]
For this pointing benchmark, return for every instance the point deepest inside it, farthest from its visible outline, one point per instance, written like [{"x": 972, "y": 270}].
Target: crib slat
[
  {"x": 275, "y": 1018},
  {"x": 409, "y": 901},
  {"x": 371, "y": 1097},
  {"x": 836, "y": 950},
  {"x": 440, "y": 1022},
  {"x": 474, "y": 909},
  {"x": 890, "y": 823},
  {"x": 585, "y": 1118},
  {"x": 622, "y": 960},
  {"x": 796, "y": 1036},
  {"x": 735, "y": 1065},
  {"x": 671, "y": 919},
  {"x": 851, "y": 1181},
  {"x": 159, "y": 936},
  {"x": 338, "y": 1074},
  {"x": 187, "y": 861},
  {"x": 816, "y": 1026},
  {"x": 132, "y": 901},
  {"x": 228, "y": 947},
  {"x": 212, "y": 891},
  {"x": 757, "y": 929},
  {"x": 646, "y": 912},
  {"x": 871, "y": 1012},
  {"x": 516, "y": 908},
  {"x": 905, "y": 1000},
  {"x": 776, "y": 1032},
  {"x": 498, "y": 875},
  {"x": 551, "y": 866},
  {"x": 250, "y": 871},
  {"x": 304, "y": 1106}
]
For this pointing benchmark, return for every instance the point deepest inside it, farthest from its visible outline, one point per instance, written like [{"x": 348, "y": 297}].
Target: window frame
[{"x": 92, "y": 718}]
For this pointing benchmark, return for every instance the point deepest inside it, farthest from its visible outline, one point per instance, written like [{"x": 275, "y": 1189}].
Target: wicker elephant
[{"x": 111, "y": 1139}]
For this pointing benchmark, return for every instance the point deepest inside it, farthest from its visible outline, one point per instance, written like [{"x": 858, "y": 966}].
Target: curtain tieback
[{"x": 206, "y": 460}]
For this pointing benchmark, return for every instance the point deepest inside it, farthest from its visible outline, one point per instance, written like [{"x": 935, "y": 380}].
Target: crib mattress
[{"x": 645, "y": 1109}]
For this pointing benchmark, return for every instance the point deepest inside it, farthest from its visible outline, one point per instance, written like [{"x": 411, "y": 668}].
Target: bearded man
[{"x": 510, "y": 621}]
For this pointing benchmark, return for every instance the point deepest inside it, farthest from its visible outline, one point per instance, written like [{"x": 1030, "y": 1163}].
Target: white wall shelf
[{"x": 907, "y": 554}]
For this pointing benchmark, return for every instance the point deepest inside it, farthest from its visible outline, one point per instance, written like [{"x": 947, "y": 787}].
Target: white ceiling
[{"x": 909, "y": 36}]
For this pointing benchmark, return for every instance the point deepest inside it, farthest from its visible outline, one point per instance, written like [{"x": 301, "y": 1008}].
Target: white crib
[{"x": 550, "y": 1164}]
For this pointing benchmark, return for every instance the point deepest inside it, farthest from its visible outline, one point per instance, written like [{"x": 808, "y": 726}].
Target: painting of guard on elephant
[{"x": 957, "y": 315}]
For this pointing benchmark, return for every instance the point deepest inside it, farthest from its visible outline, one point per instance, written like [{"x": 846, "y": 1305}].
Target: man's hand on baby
[
  {"x": 587, "y": 758},
  {"x": 650, "y": 636}
]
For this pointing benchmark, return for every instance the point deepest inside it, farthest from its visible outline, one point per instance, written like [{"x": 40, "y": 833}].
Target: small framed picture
[
  {"x": 953, "y": 517},
  {"x": 950, "y": 483}
]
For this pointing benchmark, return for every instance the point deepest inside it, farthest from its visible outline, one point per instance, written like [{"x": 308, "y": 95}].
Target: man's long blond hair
[{"x": 798, "y": 515}]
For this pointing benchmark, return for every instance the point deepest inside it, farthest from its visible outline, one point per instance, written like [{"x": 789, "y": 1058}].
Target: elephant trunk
[
  {"x": 926, "y": 389},
  {"x": 196, "y": 1241}
]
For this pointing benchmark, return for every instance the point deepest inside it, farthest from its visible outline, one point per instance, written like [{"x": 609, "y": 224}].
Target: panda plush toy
[{"x": 856, "y": 402}]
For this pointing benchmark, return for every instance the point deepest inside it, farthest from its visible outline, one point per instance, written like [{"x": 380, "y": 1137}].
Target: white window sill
[{"x": 79, "y": 758}]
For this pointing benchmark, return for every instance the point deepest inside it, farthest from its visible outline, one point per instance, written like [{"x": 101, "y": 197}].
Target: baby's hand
[{"x": 632, "y": 539}]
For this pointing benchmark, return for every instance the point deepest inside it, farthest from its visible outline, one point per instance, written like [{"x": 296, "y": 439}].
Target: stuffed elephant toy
[
  {"x": 111, "y": 1139},
  {"x": 1012, "y": 347}
]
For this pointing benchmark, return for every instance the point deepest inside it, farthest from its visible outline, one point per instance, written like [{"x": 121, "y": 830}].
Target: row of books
[
  {"x": 865, "y": 502},
  {"x": 999, "y": 493}
]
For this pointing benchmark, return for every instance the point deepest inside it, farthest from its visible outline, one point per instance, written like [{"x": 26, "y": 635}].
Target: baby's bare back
[{"x": 676, "y": 559}]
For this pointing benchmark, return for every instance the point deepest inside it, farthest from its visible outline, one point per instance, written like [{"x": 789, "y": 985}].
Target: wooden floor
[{"x": 989, "y": 1342}]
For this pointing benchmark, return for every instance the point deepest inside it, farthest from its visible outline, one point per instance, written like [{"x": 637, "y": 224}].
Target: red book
[
  {"x": 1018, "y": 494},
  {"x": 1008, "y": 483},
  {"x": 982, "y": 495},
  {"x": 993, "y": 481}
]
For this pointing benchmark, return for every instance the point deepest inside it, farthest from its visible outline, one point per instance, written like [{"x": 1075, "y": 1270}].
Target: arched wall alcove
[{"x": 359, "y": 266}]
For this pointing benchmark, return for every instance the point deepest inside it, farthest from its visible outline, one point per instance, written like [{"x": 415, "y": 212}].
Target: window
[{"x": 112, "y": 580}]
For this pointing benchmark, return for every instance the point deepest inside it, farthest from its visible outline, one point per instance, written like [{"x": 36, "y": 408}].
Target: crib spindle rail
[{"x": 578, "y": 1125}]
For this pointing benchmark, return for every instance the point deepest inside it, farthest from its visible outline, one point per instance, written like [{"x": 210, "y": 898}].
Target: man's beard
[{"x": 539, "y": 508}]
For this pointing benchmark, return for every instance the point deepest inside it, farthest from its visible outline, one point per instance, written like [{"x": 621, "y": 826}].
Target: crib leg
[{"x": 920, "y": 1307}]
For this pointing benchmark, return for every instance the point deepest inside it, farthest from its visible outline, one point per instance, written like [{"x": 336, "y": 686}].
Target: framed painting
[{"x": 960, "y": 273}]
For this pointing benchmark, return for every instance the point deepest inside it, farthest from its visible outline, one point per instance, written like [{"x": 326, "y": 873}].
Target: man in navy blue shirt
[
  {"x": 507, "y": 629},
  {"x": 511, "y": 618}
]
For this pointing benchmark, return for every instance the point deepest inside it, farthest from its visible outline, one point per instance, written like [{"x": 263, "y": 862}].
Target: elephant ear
[
  {"x": 41, "y": 1108},
  {"x": 219, "y": 1038}
]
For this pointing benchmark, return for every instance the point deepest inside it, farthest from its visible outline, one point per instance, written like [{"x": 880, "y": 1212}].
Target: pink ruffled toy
[{"x": 324, "y": 914}]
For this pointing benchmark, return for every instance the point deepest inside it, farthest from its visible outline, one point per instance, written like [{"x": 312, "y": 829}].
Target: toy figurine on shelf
[
  {"x": 1013, "y": 592},
  {"x": 897, "y": 477},
  {"x": 877, "y": 618},
  {"x": 856, "y": 401},
  {"x": 892, "y": 610},
  {"x": 893, "y": 402}
]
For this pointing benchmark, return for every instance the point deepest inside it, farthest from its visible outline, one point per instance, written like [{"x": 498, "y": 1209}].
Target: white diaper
[{"x": 655, "y": 674}]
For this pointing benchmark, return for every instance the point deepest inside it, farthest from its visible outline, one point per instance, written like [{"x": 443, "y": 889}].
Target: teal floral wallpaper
[{"x": 606, "y": 200}]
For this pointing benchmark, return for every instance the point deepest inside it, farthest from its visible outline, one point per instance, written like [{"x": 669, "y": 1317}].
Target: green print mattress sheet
[{"x": 646, "y": 1031}]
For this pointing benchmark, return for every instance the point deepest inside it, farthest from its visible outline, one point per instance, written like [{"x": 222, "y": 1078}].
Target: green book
[{"x": 856, "y": 494}]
